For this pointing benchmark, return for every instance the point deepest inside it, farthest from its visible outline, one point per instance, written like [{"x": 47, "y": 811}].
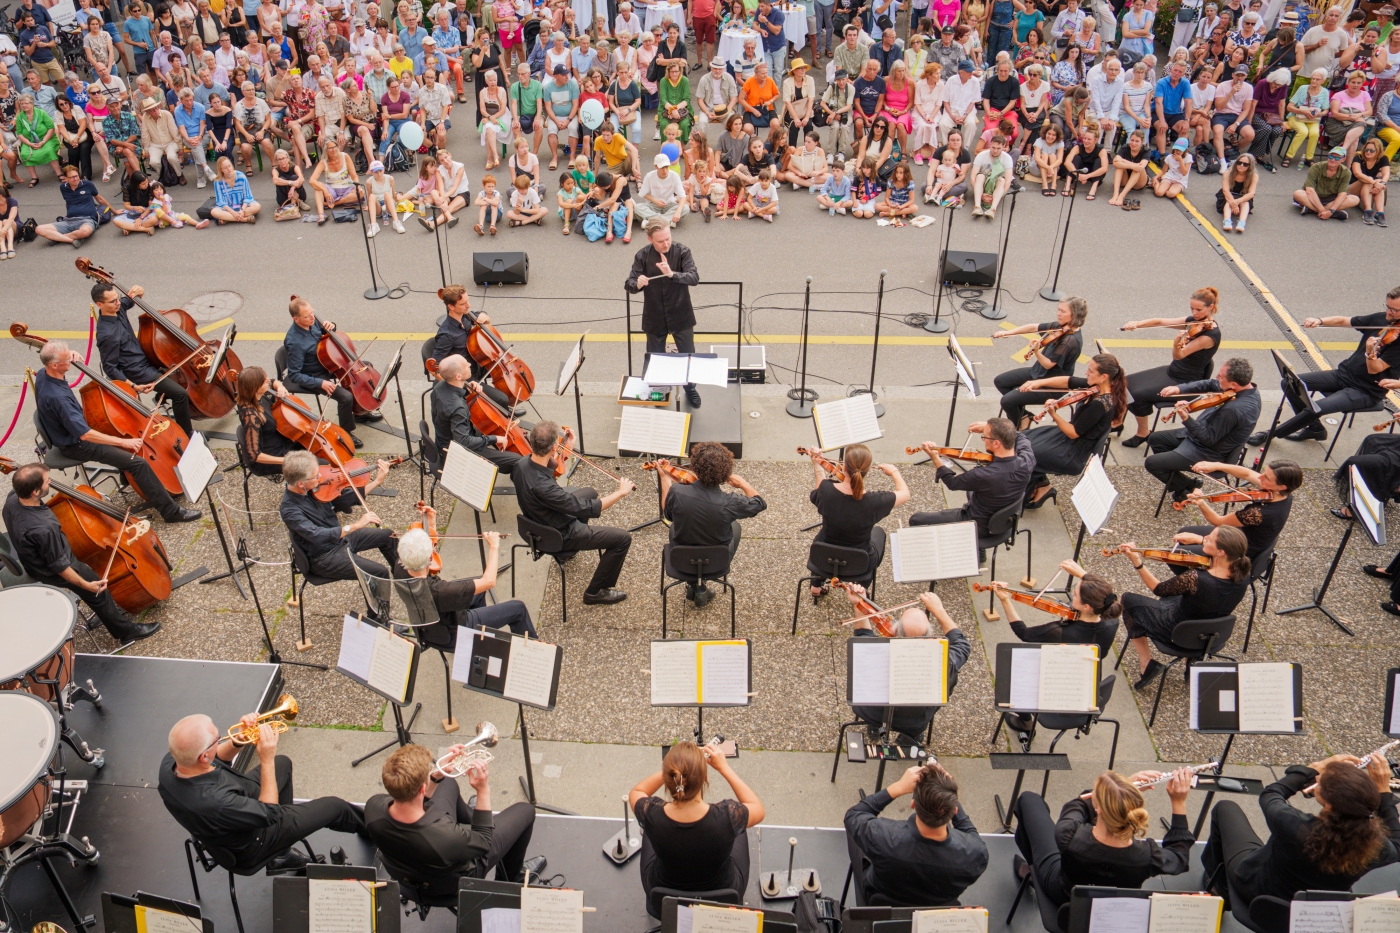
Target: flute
[
  {"x": 1364, "y": 763},
  {"x": 1146, "y": 785}
]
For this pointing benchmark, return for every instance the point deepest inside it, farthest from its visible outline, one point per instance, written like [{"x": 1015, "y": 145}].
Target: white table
[
  {"x": 656, "y": 12},
  {"x": 731, "y": 44},
  {"x": 795, "y": 24}
]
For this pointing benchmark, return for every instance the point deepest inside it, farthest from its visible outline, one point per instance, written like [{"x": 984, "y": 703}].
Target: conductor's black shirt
[
  {"x": 543, "y": 500},
  {"x": 37, "y": 536},
  {"x": 700, "y": 515},
  {"x": 666, "y": 306},
  {"x": 122, "y": 356},
  {"x": 220, "y": 808}
]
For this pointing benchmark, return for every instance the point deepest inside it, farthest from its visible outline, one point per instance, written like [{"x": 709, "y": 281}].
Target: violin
[
  {"x": 1387, "y": 424},
  {"x": 1067, "y": 613},
  {"x": 335, "y": 481},
  {"x": 337, "y": 353},
  {"x": 879, "y": 619},
  {"x": 1165, "y": 555},
  {"x": 298, "y": 424},
  {"x": 1384, "y": 339},
  {"x": 168, "y": 337},
  {"x": 677, "y": 474},
  {"x": 434, "y": 562},
  {"x": 1202, "y": 402},
  {"x": 1234, "y": 495},
  {"x": 1046, "y": 339},
  {"x": 836, "y": 471},
  {"x": 954, "y": 453},
  {"x": 508, "y": 372},
  {"x": 112, "y": 407},
  {"x": 1069, "y": 398}
]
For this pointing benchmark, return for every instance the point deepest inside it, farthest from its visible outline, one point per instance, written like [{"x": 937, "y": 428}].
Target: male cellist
[
  {"x": 305, "y": 372},
  {"x": 122, "y": 356},
  {"x": 48, "y": 558},
  {"x": 452, "y": 420},
  {"x": 452, "y": 336}
]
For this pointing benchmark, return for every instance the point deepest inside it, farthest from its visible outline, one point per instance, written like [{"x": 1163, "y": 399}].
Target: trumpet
[
  {"x": 1364, "y": 763},
  {"x": 1144, "y": 785},
  {"x": 278, "y": 717},
  {"x": 456, "y": 762}
]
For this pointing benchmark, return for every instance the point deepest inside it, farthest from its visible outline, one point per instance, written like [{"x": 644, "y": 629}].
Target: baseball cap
[
  {"x": 661, "y": 161},
  {"x": 429, "y": 40},
  {"x": 1241, "y": 69},
  {"x": 358, "y": 21},
  {"x": 947, "y": 30},
  {"x": 842, "y": 73},
  {"x": 560, "y": 70},
  {"x": 1181, "y": 143},
  {"x": 376, "y": 166},
  {"x": 1338, "y": 151},
  {"x": 966, "y": 65}
]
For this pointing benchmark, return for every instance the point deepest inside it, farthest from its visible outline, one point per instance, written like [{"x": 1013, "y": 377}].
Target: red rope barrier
[
  {"x": 23, "y": 389},
  {"x": 92, "y": 323}
]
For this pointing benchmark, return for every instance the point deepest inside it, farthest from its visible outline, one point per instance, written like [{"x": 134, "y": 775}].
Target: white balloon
[
  {"x": 591, "y": 113},
  {"x": 411, "y": 135}
]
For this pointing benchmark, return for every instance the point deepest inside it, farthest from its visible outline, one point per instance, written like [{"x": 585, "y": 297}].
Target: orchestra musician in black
[{"x": 122, "y": 356}]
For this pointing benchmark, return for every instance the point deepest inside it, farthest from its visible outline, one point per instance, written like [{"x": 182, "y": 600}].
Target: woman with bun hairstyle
[
  {"x": 1093, "y": 599},
  {"x": 849, "y": 513},
  {"x": 1356, "y": 832},
  {"x": 687, "y": 843},
  {"x": 1193, "y": 594},
  {"x": 1064, "y": 446},
  {"x": 1101, "y": 837},
  {"x": 1191, "y": 358}
]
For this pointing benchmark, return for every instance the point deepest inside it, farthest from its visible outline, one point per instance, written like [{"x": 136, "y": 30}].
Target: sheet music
[
  {"x": 935, "y": 552},
  {"x": 1377, "y": 914},
  {"x": 724, "y": 673},
  {"x": 391, "y": 664},
  {"x": 1094, "y": 496},
  {"x": 500, "y": 920},
  {"x": 709, "y": 371},
  {"x": 1368, "y": 508},
  {"x": 675, "y": 680},
  {"x": 462, "y": 657},
  {"x": 530, "y": 673},
  {"x": 1119, "y": 914},
  {"x": 917, "y": 669},
  {"x": 551, "y": 910},
  {"x": 1266, "y": 697},
  {"x": 707, "y": 919},
  {"x": 667, "y": 369},
  {"x": 870, "y": 673},
  {"x": 339, "y": 906},
  {"x": 151, "y": 920},
  {"x": 356, "y": 647},
  {"x": 951, "y": 920},
  {"x": 1319, "y": 917},
  {"x": 1025, "y": 678},
  {"x": 963, "y": 365},
  {"x": 635, "y": 388},
  {"x": 1395, "y": 707},
  {"x": 1185, "y": 913},
  {"x": 653, "y": 430},
  {"x": 468, "y": 477},
  {"x": 196, "y": 466},
  {"x": 570, "y": 365},
  {"x": 1067, "y": 677},
  {"x": 846, "y": 421}
]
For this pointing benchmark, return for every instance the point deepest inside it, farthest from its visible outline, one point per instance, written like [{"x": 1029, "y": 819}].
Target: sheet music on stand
[
  {"x": 1255, "y": 698},
  {"x": 468, "y": 477},
  {"x": 339, "y": 905},
  {"x": 569, "y": 366},
  {"x": 654, "y": 431},
  {"x": 896, "y": 671},
  {"x": 1185, "y": 913},
  {"x": 389, "y": 373},
  {"x": 846, "y": 421},
  {"x": 1094, "y": 496},
  {"x": 1390, "y": 720},
  {"x": 196, "y": 467},
  {"x": 949, "y": 920},
  {"x": 678, "y": 369},
  {"x": 1047, "y": 678},
  {"x": 513, "y": 667},
  {"x": 376, "y": 658},
  {"x": 967, "y": 373},
  {"x": 1294, "y": 389},
  {"x": 689, "y": 672},
  {"x": 1367, "y": 508},
  {"x": 934, "y": 552}
]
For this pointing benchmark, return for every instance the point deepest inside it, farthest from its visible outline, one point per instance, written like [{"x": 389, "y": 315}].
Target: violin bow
[
  {"x": 1216, "y": 481},
  {"x": 176, "y": 368},
  {"x": 1050, "y": 584},
  {"x": 155, "y": 410},
  {"x": 112, "y": 559},
  {"x": 883, "y": 612}
]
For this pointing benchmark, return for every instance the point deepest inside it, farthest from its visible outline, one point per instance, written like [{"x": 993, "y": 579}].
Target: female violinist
[
  {"x": 1207, "y": 593},
  {"x": 1262, "y": 520},
  {"x": 1093, "y": 599},
  {"x": 1053, "y": 354},
  {"x": 1062, "y": 448},
  {"x": 1192, "y": 352},
  {"x": 850, "y": 514},
  {"x": 452, "y": 336}
]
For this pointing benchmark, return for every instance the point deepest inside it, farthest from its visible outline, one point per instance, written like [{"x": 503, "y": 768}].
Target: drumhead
[
  {"x": 35, "y": 621},
  {"x": 29, "y": 735}
]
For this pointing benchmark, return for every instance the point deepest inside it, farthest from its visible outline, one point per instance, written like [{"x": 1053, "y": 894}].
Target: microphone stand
[
  {"x": 1052, "y": 291},
  {"x": 875, "y": 350},
  {"x": 994, "y": 311},
  {"x": 937, "y": 326},
  {"x": 802, "y": 397},
  {"x": 376, "y": 291}
]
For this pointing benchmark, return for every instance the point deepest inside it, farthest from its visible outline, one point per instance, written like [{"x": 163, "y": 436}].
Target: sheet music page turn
[{"x": 468, "y": 477}]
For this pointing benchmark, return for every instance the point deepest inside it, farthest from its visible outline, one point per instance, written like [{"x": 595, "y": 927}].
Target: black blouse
[
  {"x": 261, "y": 435},
  {"x": 692, "y": 856},
  {"x": 1203, "y": 595},
  {"x": 1065, "y": 352},
  {"x": 1085, "y": 860},
  {"x": 1262, "y": 523},
  {"x": 1195, "y": 366},
  {"x": 846, "y": 521}
]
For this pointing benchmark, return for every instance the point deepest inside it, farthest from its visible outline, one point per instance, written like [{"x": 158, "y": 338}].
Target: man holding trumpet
[{"x": 251, "y": 815}]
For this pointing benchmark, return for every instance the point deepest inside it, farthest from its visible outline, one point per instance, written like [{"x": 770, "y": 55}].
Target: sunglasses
[{"x": 1333, "y": 158}]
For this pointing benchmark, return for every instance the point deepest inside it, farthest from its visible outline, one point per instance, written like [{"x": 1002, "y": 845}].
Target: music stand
[
  {"x": 774, "y": 921},
  {"x": 1390, "y": 721},
  {"x": 871, "y": 662},
  {"x": 1294, "y": 391},
  {"x": 482, "y": 663},
  {"x": 291, "y": 896},
  {"x": 1369, "y": 512},
  {"x": 1094, "y": 498},
  {"x": 668, "y": 694},
  {"x": 392, "y": 372},
  {"x": 967, "y": 377},
  {"x": 398, "y": 696},
  {"x": 119, "y": 912},
  {"x": 568, "y": 373}
]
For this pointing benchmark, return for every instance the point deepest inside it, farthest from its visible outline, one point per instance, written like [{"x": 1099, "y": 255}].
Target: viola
[
  {"x": 337, "y": 353},
  {"x": 954, "y": 453},
  {"x": 836, "y": 471},
  {"x": 677, "y": 474},
  {"x": 1069, "y": 398},
  {"x": 112, "y": 407},
  {"x": 508, "y": 372},
  {"x": 300, "y": 425},
  {"x": 1049, "y": 337},
  {"x": 879, "y": 619},
  {"x": 1165, "y": 555},
  {"x": 1234, "y": 495},
  {"x": 1193, "y": 331},
  {"x": 1202, "y": 402},
  {"x": 1068, "y": 613},
  {"x": 1384, "y": 339},
  {"x": 168, "y": 337},
  {"x": 434, "y": 562},
  {"x": 334, "y": 480}
]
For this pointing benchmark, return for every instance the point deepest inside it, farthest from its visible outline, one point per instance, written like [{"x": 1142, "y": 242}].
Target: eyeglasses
[{"x": 1333, "y": 158}]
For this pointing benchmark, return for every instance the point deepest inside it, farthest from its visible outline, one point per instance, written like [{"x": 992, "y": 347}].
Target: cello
[
  {"x": 298, "y": 424},
  {"x": 486, "y": 348},
  {"x": 336, "y": 352},
  {"x": 112, "y": 407},
  {"x": 167, "y": 337}
]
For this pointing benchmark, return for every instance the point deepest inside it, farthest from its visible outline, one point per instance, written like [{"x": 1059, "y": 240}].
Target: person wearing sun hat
[
  {"x": 799, "y": 101},
  {"x": 1324, "y": 192}
]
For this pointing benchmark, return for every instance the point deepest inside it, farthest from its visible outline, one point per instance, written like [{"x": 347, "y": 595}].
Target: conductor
[{"x": 664, "y": 272}]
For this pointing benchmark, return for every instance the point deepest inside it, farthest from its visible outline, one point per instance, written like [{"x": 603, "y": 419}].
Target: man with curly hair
[{"x": 701, "y": 513}]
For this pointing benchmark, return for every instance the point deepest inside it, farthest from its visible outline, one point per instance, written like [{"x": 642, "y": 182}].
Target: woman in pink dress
[
  {"x": 899, "y": 100},
  {"x": 945, "y": 12},
  {"x": 928, "y": 102}
]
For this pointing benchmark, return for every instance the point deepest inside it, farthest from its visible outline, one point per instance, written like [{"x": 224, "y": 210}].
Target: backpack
[
  {"x": 816, "y": 914},
  {"x": 170, "y": 176},
  {"x": 397, "y": 159},
  {"x": 595, "y": 226},
  {"x": 1207, "y": 162}
]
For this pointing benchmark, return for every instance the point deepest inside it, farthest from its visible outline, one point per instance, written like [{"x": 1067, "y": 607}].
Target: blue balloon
[{"x": 672, "y": 152}]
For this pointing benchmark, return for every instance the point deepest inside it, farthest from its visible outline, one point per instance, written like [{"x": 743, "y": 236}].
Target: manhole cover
[{"x": 213, "y": 306}]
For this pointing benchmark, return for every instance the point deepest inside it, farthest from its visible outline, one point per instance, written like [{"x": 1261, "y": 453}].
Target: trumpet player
[
  {"x": 429, "y": 836},
  {"x": 251, "y": 815}
]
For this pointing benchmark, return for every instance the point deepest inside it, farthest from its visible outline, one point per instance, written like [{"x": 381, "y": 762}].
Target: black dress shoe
[
  {"x": 703, "y": 595},
  {"x": 1134, "y": 441},
  {"x": 1390, "y": 608},
  {"x": 1037, "y": 503},
  {"x": 692, "y": 395},
  {"x": 1020, "y": 866},
  {"x": 183, "y": 515},
  {"x": 288, "y": 862},
  {"x": 358, "y": 443},
  {"x": 1257, "y": 439},
  {"x": 521, "y": 412},
  {"x": 370, "y": 416},
  {"x": 1154, "y": 670},
  {"x": 1371, "y": 570},
  {"x": 535, "y": 866},
  {"x": 604, "y": 596},
  {"x": 1314, "y": 432},
  {"x": 132, "y": 631}
]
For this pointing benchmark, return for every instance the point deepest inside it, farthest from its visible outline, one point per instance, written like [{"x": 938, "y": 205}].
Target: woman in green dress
[
  {"x": 674, "y": 102},
  {"x": 38, "y": 139}
]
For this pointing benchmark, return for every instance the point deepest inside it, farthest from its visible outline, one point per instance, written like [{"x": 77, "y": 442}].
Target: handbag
[
  {"x": 288, "y": 211},
  {"x": 1188, "y": 14}
]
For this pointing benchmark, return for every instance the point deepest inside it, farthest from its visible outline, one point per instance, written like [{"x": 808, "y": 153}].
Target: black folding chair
[{"x": 695, "y": 566}]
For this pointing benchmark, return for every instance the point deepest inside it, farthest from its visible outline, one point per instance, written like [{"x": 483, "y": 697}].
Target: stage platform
[{"x": 143, "y": 848}]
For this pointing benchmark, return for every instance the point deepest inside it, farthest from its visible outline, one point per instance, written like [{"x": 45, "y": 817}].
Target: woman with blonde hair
[
  {"x": 1101, "y": 836},
  {"x": 850, "y": 513},
  {"x": 928, "y": 104}
]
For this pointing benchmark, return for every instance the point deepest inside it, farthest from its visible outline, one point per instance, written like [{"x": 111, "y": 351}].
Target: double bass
[
  {"x": 167, "y": 337},
  {"x": 300, "y": 425},
  {"x": 112, "y": 407},
  {"x": 337, "y": 353}
]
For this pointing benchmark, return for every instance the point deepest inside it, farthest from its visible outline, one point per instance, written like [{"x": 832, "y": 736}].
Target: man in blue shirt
[
  {"x": 305, "y": 372},
  {"x": 62, "y": 423},
  {"x": 1173, "y": 107},
  {"x": 38, "y": 43},
  {"x": 207, "y": 88},
  {"x": 138, "y": 36},
  {"x": 122, "y": 356},
  {"x": 430, "y": 54},
  {"x": 189, "y": 118},
  {"x": 82, "y": 217},
  {"x": 411, "y": 38},
  {"x": 769, "y": 24}
]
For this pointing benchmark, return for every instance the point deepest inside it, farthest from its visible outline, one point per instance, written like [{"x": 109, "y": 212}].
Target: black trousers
[
  {"x": 1146, "y": 387},
  {"x": 1013, "y": 400},
  {"x": 510, "y": 836},
  {"x": 458, "y": 604},
  {"x": 340, "y": 564},
  {"x": 1035, "y": 837},
  {"x": 1165, "y": 463},
  {"x": 141, "y": 473},
  {"x": 1337, "y": 396},
  {"x": 344, "y": 404},
  {"x": 1231, "y": 840},
  {"x": 1394, "y": 570},
  {"x": 102, "y": 604},
  {"x": 685, "y": 343},
  {"x": 613, "y": 542},
  {"x": 297, "y": 820},
  {"x": 179, "y": 402}
]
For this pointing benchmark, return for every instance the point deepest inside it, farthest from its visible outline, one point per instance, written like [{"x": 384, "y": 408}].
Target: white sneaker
[
  {"x": 796, "y": 186},
  {"x": 1224, "y": 166},
  {"x": 398, "y": 226},
  {"x": 373, "y": 230},
  {"x": 657, "y": 135},
  {"x": 200, "y": 182},
  {"x": 841, "y": 211},
  {"x": 210, "y": 173}
]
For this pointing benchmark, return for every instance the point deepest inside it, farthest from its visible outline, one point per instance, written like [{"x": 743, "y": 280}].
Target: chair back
[
  {"x": 1266, "y": 914},
  {"x": 847, "y": 563},
  {"x": 718, "y": 895},
  {"x": 1206, "y": 636},
  {"x": 1107, "y": 635},
  {"x": 429, "y": 448},
  {"x": 686, "y": 562},
  {"x": 12, "y": 572},
  {"x": 279, "y": 362},
  {"x": 417, "y": 601},
  {"x": 427, "y": 350},
  {"x": 1002, "y": 525},
  {"x": 541, "y": 538},
  {"x": 40, "y": 438},
  {"x": 245, "y": 460},
  {"x": 299, "y": 559},
  {"x": 1262, "y": 567},
  {"x": 376, "y": 592},
  {"x": 1059, "y": 721}
]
